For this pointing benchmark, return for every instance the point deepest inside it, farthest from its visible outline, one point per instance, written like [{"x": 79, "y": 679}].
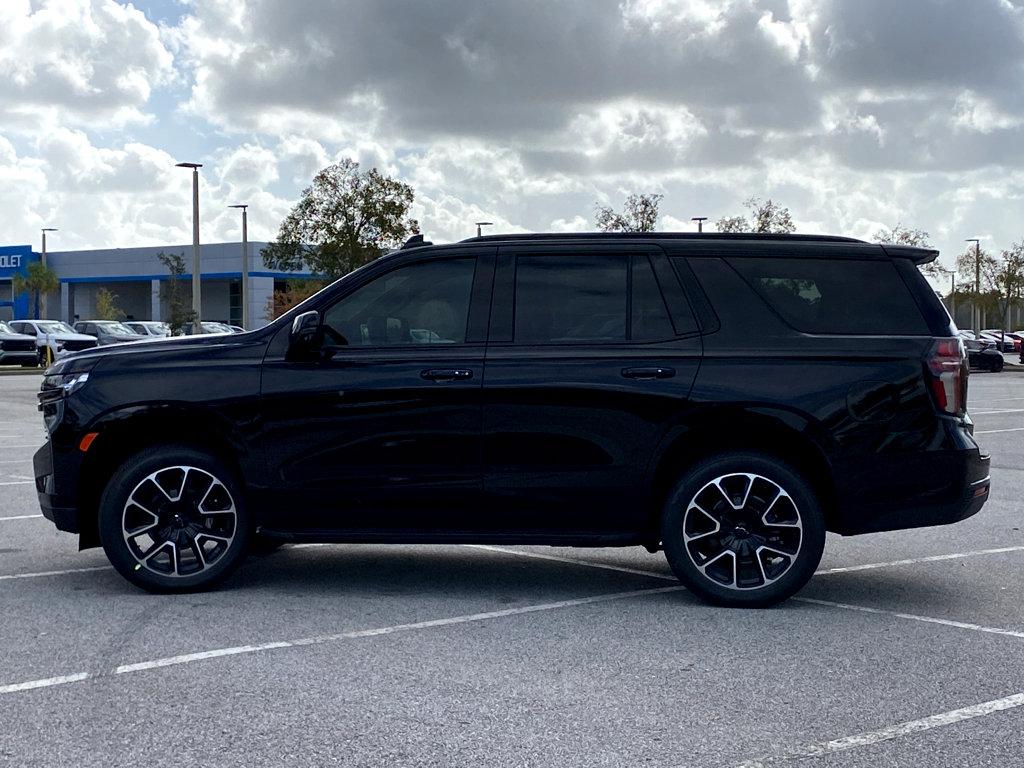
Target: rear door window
[
  {"x": 571, "y": 299},
  {"x": 835, "y": 296}
]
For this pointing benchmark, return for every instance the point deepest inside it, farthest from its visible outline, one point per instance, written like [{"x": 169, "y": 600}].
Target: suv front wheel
[
  {"x": 172, "y": 519},
  {"x": 743, "y": 530}
]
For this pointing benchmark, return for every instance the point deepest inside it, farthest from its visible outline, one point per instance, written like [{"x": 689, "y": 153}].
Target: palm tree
[{"x": 38, "y": 279}]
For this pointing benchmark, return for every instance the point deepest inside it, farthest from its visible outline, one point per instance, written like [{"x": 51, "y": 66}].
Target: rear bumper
[
  {"x": 52, "y": 505},
  {"x": 941, "y": 487}
]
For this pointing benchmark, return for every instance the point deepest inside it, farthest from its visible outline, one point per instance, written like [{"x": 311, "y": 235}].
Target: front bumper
[
  {"x": 53, "y": 506},
  {"x": 9, "y": 357}
]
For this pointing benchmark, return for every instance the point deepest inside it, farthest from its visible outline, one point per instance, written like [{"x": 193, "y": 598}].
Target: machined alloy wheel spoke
[
  {"x": 167, "y": 527},
  {"x": 749, "y": 518}
]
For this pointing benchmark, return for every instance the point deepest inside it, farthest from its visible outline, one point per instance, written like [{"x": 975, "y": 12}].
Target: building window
[{"x": 235, "y": 302}]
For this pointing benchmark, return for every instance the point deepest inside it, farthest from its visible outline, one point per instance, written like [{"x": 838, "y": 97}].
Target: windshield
[
  {"x": 219, "y": 328},
  {"x": 55, "y": 327},
  {"x": 5, "y": 329},
  {"x": 114, "y": 327}
]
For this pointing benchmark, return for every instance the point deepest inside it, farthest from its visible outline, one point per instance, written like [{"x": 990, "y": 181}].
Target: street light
[
  {"x": 977, "y": 286},
  {"x": 197, "y": 305},
  {"x": 700, "y": 222},
  {"x": 41, "y": 310},
  {"x": 952, "y": 292},
  {"x": 245, "y": 263},
  {"x": 482, "y": 224}
]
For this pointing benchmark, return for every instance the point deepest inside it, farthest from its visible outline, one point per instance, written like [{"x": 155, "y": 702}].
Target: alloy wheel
[
  {"x": 742, "y": 531},
  {"x": 179, "y": 521}
]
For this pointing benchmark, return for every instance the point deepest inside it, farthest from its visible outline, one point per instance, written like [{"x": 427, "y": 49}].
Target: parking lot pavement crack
[{"x": 863, "y": 739}]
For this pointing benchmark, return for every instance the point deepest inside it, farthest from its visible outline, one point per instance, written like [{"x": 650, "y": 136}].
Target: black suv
[{"x": 726, "y": 398}]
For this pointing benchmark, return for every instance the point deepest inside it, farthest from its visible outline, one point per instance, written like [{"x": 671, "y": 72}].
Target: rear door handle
[
  {"x": 446, "y": 374},
  {"x": 652, "y": 372}
]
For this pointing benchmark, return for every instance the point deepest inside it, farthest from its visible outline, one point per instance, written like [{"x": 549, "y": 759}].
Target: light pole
[
  {"x": 197, "y": 304},
  {"x": 700, "y": 222},
  {"x": 482, "y": 224},
  {"x": 977, "y": 286},
  {"x": 245, "y": 263},
  {"x": 41, "y": 310},
  {"x": 952, "y": 292}
]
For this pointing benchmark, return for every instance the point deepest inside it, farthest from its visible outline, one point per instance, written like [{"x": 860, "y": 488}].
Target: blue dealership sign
[{"x": 15, "y": 260}]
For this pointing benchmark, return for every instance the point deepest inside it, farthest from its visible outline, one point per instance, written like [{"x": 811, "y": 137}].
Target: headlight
[{"x": 67, "y": 383}]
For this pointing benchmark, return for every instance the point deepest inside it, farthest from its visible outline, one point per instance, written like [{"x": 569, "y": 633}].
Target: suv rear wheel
[
  {"x": 172, "y": 519},
  {"x": 743, "y": 530}
]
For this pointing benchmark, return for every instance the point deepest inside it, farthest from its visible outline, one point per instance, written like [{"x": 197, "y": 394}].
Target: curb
[{"x": 19, "y": 371}]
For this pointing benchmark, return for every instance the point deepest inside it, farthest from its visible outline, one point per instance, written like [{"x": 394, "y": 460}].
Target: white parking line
[
  {"x": 1004, "y": 430},
  {"x": 14, "y": 483},
  {"x": 922, "y": 559},
  {"x": 983, "y": 412},
  {"x": 33, "y": 574},
  {"x": 20, "y": 517},
  {"x": 891, "y": 732},
  {"x": 574, "y": 561},
  {"x": 834, "y": 570},
  {"x": 183, "y": 659},
  {"x": 915, "y": 617}
]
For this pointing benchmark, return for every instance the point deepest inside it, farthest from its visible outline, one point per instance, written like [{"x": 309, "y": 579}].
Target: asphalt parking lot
[{"x": 906, "y": 649}]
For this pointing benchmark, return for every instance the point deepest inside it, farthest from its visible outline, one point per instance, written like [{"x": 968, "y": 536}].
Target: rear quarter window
[{"x": 835, "y": 296}]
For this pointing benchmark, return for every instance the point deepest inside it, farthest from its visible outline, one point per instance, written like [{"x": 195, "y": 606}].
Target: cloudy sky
[{"x": 854, "y": 114}]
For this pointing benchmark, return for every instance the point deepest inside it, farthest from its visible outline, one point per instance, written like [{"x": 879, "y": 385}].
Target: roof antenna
[{"x": 415, "y": 241}]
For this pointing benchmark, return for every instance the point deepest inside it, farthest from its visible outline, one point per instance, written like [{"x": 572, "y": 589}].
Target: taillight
[{"x": 947, "y": 364}]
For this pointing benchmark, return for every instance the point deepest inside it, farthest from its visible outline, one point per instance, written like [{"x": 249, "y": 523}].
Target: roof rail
[
  {"x": 663, "y": 236},
  {"x": 415, "y": 242}
]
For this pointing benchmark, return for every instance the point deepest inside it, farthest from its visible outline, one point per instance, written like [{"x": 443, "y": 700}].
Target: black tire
[
  {"x": 217, "y": 523},
  {"x": 778, "y": 510},
  {"x": 997, "y": 366}
]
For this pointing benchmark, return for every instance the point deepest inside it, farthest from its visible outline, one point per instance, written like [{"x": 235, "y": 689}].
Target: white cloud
[{"x": 88, "y": 62}]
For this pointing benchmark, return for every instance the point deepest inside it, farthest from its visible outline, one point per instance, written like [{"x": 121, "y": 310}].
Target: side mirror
[{"x": 304, "y": 329}]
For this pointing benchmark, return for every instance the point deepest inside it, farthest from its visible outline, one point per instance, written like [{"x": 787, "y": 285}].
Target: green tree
[
  {"x": 179, "y": 307},
  {"x": 106, "y": 306},
  {"x": 766, "y": 216},
  {"x": 38, "y": 279},
  {"x": 345, "y": 219},
  {"x": 639, "y": 214},
  {"x": 295, "y": 291},
  {"x": 905, "y": 236}
]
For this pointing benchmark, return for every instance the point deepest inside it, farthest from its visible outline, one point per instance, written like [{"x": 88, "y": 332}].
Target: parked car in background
[
  {"x": 108, "y": 331},
  {"x": 17, "y": 348},
  {"x": 56, "y": 335},
  {"x": 236, "y": 329},
  {"x": 573, "y": 390},
  {"x": 1003, "y": 342},
  {"x": 213, "y": 327},
  {"x": 1005, "y": 338},
  {"x": 983, "y": 356},
  {"x": 151, "y": 328}
]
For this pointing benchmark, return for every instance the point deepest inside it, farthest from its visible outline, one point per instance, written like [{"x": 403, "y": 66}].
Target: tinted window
[
  {"x": 571, "y": 299},
  {"x": 835, "y": 296},
  {"x": 648, "y": 317},
  {"x": 425, "y": 303}
]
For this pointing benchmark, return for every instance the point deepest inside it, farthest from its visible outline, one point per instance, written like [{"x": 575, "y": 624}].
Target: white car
[
  {"x": 17, "y": 348},
  {"x": 58, "y": 336},
  {"x": 154, "y": 328}
]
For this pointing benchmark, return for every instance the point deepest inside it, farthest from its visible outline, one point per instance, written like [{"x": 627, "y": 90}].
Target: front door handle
[
  {"x": 652, "y": 372},
  {"x": 446, "y": 374}
]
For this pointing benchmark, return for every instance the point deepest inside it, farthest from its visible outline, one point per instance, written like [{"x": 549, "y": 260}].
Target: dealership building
[{"x": 138, "y": 279}]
